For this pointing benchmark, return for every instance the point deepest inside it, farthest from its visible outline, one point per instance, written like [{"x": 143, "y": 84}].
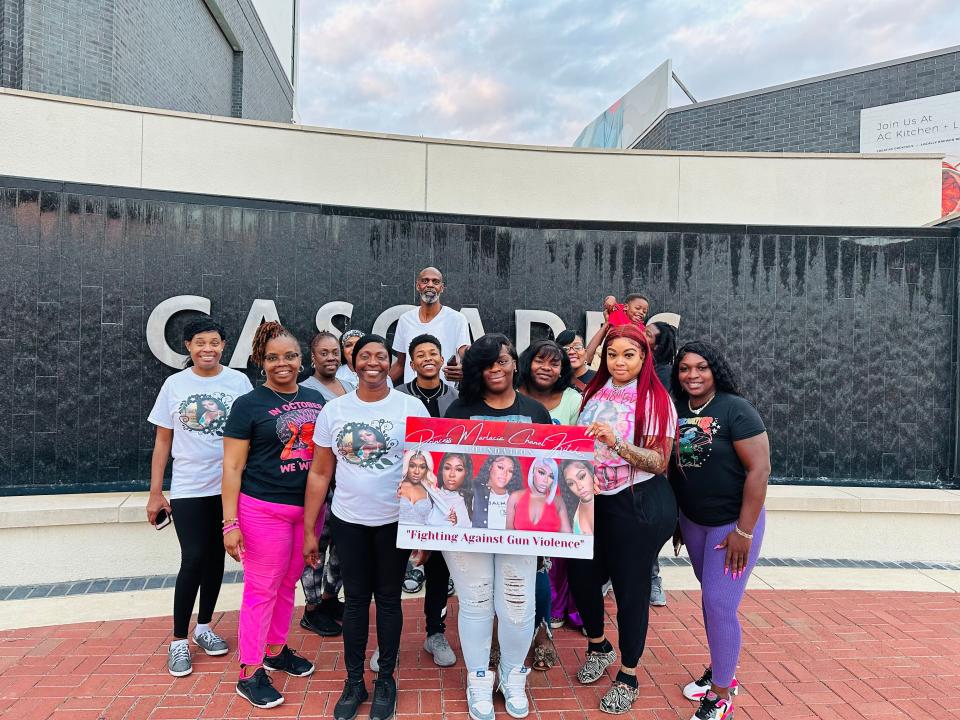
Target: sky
[{"x": 537, "y": 71}]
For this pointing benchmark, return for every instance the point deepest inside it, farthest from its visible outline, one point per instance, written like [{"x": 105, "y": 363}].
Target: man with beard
[{"x": 431, "y": 318}]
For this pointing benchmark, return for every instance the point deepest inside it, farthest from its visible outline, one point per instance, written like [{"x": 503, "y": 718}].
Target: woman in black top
[
  {"x": 268, "y": 448},
  {"x": 720, "y": 474}
]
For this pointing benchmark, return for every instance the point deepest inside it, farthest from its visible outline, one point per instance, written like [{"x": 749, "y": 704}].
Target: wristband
[
  {"x": 228, "y": 522},
  {"x": 230, "y": 528},
  {"x": 741, "y": 533}
]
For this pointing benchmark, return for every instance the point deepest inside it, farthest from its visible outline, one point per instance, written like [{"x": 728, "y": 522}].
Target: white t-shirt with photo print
[
  {"x": 367, "y": 440},
  {"x": 196, "y": 409}
]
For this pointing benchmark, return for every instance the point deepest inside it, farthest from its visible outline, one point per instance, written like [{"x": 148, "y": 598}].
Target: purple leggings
[{"x": 721, "y": 594}]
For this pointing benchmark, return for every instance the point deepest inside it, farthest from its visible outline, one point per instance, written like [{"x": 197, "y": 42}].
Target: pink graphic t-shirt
[{"x": 617, "y": 407}]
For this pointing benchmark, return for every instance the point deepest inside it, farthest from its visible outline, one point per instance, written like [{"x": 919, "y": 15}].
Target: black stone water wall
[{"x": 844, "y": 337}]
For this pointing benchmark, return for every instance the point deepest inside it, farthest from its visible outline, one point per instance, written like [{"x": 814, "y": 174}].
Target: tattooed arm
[{"x": 650, "y": 458}]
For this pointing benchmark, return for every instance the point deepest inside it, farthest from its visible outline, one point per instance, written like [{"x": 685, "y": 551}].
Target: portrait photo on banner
[{"x": 487, "y": 486}]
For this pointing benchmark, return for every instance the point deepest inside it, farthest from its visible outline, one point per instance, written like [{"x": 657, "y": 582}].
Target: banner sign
[
  {"x": 487, "y": 486},
  {"x": 925, "y": 125}
]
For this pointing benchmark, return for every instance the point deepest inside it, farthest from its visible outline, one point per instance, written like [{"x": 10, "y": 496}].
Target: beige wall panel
[
  {"x": 66, "y": 141},
  {"x": 817, "y": 190},
  {"x": 247, "y": 160}
]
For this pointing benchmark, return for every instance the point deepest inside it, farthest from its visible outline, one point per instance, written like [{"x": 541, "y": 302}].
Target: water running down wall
[{"x": 843, "y": 337}]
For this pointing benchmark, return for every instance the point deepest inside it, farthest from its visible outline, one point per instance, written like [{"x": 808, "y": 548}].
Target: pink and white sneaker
[
  {"x": 714, "y": 707},
  {"x": 698, "y": 688}
]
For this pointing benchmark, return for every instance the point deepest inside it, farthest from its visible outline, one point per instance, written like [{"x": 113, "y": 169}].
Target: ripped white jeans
[{"x": 489, "y": 583}]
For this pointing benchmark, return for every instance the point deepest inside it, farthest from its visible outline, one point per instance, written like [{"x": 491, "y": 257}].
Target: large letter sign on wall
[
  {"x": 388, "y": 317},
  {"x": 476, "y": 324},
  {"x": 526, "y": 318},
  {"x": 157, "y": 325},
  {"x": 328, "y": 311},
  {"x": 260, "y": 311}
]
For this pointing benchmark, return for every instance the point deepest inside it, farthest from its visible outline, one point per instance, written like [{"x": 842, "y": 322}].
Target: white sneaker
[
  {"x": 514, "y": 689},
  {"x": 714, "y": 708},
  {"x": 698, "y": 688},
  {"x": 480, "y": 694}
]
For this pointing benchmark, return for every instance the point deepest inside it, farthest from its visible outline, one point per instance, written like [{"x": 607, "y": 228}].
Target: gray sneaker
[
  {"x": 619, "y": 699},
  {"x": 658, "y": 598},
  {"x": 438, "y": 646},
  {"x": 211, "y": 643},
  {"x": 595, "y": 664},
  {"x": 178, "y": 659}
]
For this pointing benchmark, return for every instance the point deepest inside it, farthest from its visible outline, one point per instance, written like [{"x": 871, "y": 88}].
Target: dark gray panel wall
[
  {"x": 843, "y": 338},
  {"x": 815, "y": 117},
  {"x": 174, "y": 56},
  {"x": 168, "y": 54}
]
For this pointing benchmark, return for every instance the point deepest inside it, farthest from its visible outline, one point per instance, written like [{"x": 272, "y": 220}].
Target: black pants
[
  {"x": 435, "y": 596},
  {"x": 371, "y": 564},
  {"x": 198, "y": 522},
  {"x": 630, "y": 528}
]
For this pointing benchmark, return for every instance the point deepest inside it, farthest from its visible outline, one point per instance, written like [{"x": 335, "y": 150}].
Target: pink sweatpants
[{"x": 272, "y": 565}]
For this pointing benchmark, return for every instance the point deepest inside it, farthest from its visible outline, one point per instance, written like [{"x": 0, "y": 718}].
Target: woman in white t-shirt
[
  {"x": 629, "y": 413},
  {"x": 360, "y": 436},
  {"x": 190, "y": 413}
]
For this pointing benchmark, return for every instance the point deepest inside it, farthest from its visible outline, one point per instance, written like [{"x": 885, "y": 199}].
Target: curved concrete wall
[{"x": 50, "y": 137}]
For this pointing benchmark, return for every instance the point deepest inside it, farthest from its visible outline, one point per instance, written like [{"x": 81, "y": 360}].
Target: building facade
[
  {"x": 819, "y": 114},
  {"x": 205, "y": 56}
]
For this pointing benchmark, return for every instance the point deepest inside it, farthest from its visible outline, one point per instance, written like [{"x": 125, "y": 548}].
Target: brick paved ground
[{"x": 818, "y": 654}]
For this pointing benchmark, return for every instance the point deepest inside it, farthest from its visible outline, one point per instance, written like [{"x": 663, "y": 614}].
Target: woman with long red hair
[{"x": 629, "y": 413}]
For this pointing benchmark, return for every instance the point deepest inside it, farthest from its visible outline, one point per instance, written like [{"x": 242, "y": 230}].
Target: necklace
[
  {"x": 697, "y": 411},
  {"x": 617, "y": 386},
  {"x": 295, "y": 395},
  {"x": 420, "y": 391}
]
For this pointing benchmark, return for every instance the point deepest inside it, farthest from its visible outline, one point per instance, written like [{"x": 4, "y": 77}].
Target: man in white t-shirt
[{"x": 446, "y": 324}]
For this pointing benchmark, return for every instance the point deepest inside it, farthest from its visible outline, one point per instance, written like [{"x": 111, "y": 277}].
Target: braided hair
[
  {"x": 665, "y": 349},
  {"x": 265, "y": 333},
  {"x": 320, "y": 336},
  {"x": 724, "y": 379}
]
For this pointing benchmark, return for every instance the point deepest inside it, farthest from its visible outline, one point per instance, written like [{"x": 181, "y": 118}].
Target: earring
[{"x": 263, "y": 373}]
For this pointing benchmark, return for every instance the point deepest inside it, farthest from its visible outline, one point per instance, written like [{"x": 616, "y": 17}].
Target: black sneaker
[
  {"x": 354, "y": 693},
  {"x": 384, "y": 699},
  {"x": 289, "y": 662},
  {"x": 332, "y": 607},
  {"x": 259, "y": 691},
  {"x": 320, "y": 623}
]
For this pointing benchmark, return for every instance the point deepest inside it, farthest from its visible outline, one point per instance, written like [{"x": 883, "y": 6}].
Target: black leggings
[
  {"x": 435, "y": 597},
  {"x": 199, "y": 530},
  {"x": 371, "y": 564},
  {"x": 630, "y": 528}
]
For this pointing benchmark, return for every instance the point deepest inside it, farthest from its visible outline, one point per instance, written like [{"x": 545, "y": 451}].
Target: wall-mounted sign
[{"x": 927, "y": 125}]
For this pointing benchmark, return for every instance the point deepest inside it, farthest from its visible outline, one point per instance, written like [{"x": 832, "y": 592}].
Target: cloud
[{"x": 537, "y": 72}]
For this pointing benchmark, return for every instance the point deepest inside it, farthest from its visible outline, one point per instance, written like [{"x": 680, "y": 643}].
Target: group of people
[{"x": 307, "y": 480}]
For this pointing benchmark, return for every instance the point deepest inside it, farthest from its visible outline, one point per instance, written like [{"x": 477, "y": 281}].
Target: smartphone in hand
[{"x": 163, "y": 519}]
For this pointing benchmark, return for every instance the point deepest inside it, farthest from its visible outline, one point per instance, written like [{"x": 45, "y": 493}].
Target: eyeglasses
[
  {"x": 289, "y": 357},
  {"x": 574, "y": 348}
]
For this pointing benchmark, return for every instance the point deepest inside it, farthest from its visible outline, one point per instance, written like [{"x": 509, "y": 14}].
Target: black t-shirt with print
[
  {"x": 708, "y": 478},
  {"x": 281, "y": 442},
  {"x": 523, "y": 410}
]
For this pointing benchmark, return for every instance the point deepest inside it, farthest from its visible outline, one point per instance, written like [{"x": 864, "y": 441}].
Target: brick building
[
  {"x": 818, "y": 114},
  {"x": 205, "y": 56}
]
